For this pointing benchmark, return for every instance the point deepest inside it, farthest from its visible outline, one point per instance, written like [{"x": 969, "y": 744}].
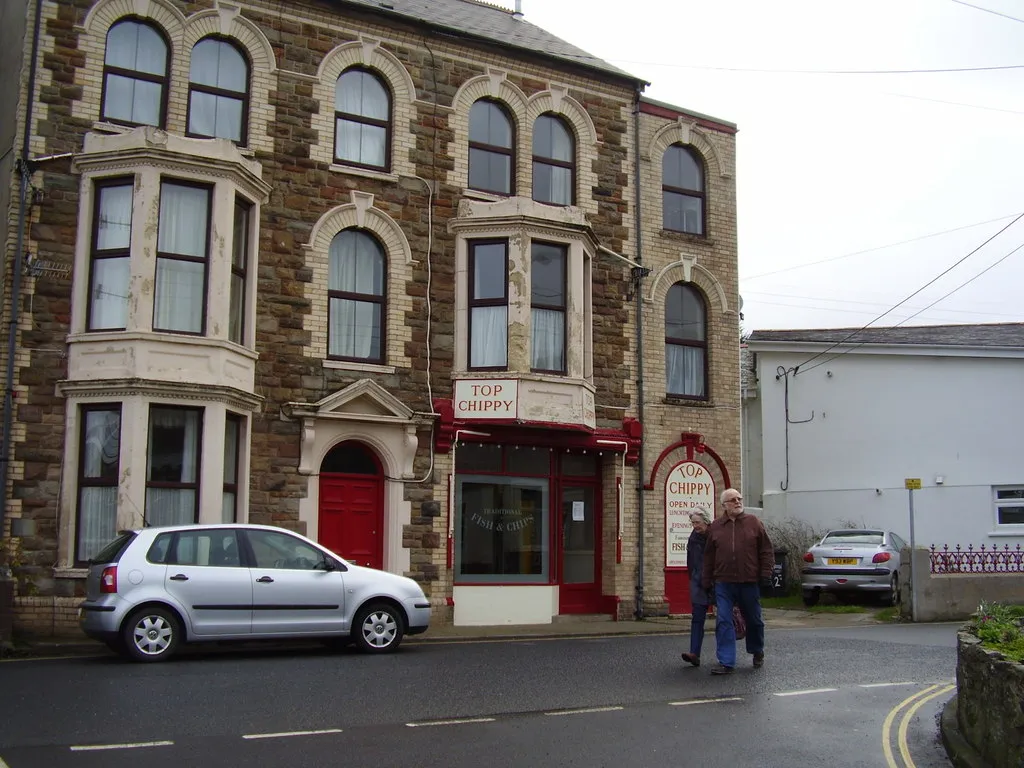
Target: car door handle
[
  {"x": 264, "y": 580},
  {"x": 179, "y": 577}
]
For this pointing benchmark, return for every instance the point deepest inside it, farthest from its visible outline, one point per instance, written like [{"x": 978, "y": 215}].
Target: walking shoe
[
  {"x": 721, "y": 669},
  {"x": 758, "y": 660},
  {"x": 692, "y": 659}
]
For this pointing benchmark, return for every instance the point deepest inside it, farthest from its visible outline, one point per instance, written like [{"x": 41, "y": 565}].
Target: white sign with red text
[
  {"x": 486, "y": 399},
  {"x": 689, "y": 486}
]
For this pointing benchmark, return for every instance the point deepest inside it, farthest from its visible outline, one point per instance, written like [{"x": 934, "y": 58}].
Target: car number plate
[{"x": 842, "y": 561}]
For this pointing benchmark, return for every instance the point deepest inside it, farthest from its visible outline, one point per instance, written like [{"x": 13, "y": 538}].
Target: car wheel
[
  {"x": 151, "y": 634},
  {"x": 378, "y": 628},
  {"x": 811, "y": 597}
]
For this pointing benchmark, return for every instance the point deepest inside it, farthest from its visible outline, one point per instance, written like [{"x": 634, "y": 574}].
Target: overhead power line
[
  {"x": 908, "y": 298},
  {"x": 989, "y": 10},
  {"x": 994, "y": 68}
]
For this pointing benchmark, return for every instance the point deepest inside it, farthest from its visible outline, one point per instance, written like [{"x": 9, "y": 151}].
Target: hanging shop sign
[
  {"x": 688, "y": 486},
  {"x": 486, "y": 399}
]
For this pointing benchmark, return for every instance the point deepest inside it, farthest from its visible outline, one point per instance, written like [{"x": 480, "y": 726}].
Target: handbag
[{"x": 738, "y": 623}]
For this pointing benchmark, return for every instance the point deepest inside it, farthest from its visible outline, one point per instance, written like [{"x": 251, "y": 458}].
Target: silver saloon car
[
  {"x": 151, "y": 590},
  {"x": 848, "y": 563}
]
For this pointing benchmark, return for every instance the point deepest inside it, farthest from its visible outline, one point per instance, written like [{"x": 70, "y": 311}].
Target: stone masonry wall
[{"x": 990, "y": 703}]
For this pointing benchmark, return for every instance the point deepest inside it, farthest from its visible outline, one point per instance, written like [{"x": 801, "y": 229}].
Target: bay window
[
  {"x": 110, "y": 257},
  {"x": 488, "y": 304},
  {"x": 547, "y": 305},
  {"x": 98, "y": 479},
  {"x": 232, "y": 445},
  {"x": 172, "y": 472},
  {"x": 239, "y": 263},
  {"x": 182, "y": 258}
]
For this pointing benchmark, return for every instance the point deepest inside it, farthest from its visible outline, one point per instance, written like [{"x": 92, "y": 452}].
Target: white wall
[{"x": 881, "y": 418}]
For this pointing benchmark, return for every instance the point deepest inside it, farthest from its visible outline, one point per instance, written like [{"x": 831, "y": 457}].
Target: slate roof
[
  {"x": 490, "y": 23},
  {"x": 990, "y": 335}
]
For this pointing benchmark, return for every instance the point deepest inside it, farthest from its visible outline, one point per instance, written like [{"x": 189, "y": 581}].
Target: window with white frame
[
  {"x": 547, "y": 306},
  {"x": 685, "y": 342},
  {"x": 355, "y": 328},
  {"x": 1009, "y": 503},
  {"x": 135, "y": 68},
  {"x": 218, "y": 91},
  {"x": 98, "y": 478},
  {"x": 488, "y": 304},
  {"x": 110, "y": 256},
  {"x": 173, "y": 461},
  {"x": 362, "y": 120},
  {"x": 182, "y": 258}
]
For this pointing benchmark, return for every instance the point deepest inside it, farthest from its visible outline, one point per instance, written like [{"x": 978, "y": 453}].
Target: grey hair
[{"x": 703, "y": 513}]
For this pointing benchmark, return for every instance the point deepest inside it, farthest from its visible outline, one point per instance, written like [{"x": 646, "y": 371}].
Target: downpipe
[{"x": 638, "y": 275}]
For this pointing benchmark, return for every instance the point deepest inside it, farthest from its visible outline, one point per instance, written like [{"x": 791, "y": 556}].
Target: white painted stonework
[{"x": 495, "y": 606}]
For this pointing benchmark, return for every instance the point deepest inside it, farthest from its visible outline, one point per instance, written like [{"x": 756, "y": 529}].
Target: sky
[{"x": 855, "y": 192}]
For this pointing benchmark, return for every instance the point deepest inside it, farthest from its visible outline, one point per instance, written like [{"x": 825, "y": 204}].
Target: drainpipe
[
  {"x": 638, "y": 275},
  {"x": 12, "y": 336}
]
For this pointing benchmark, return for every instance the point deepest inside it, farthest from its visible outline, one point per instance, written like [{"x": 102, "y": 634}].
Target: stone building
[{"x": 419, "y": 280}]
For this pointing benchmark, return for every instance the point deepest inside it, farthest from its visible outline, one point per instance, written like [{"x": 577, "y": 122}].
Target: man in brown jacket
[{"x": 738, "y": 557}]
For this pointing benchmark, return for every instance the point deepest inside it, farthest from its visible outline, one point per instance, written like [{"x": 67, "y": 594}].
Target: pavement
[{"x": 73, "y": 644}]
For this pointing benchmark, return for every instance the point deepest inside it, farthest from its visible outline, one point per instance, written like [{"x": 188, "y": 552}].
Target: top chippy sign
[{"x": 486, "y": 399}]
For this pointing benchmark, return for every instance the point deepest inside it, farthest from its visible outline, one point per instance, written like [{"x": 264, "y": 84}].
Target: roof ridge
[{"x": 485, "y": 4}]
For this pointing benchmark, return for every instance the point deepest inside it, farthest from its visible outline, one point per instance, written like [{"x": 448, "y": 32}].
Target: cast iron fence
[{"x": 990, "y": 559}]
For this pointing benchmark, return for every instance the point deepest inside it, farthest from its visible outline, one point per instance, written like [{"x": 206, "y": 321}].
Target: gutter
[{"x": 25, "y": 169}]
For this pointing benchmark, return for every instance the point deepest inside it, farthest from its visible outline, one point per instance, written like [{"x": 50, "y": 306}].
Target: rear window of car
[
  {"x": 854, "y": 537},
  {"x": 113, "y": 551},
  {"x": 159, "y": 548}
]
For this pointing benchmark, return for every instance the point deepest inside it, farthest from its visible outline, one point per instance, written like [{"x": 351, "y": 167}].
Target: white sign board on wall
[
  {"x": 688, "y": 486},
  {"x": 486, "y": 399}
]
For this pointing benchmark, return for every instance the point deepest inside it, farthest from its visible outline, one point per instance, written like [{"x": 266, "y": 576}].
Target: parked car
[
  {"x": 151, "y": 590},
  {"x": 852, "y": 563}
]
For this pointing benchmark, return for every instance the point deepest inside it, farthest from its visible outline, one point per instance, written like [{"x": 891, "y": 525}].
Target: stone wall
[
  {"x": 990, "y": 703},
  {"x": 954, "y": 596}
]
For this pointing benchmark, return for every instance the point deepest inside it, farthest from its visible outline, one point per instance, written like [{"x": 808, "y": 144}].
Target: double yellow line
[{"x": 911, "y": 704}]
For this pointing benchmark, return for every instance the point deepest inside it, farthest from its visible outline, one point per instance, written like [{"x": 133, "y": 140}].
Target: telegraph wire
[
  {"x": 877, "y": 248},
  {"x": 796, "y": 369},
  {"x": 702, "y": 67},
  {"x": 989, "y": 10}
]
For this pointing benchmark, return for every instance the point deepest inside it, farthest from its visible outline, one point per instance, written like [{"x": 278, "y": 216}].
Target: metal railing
[{"x": 984, "y": 559}]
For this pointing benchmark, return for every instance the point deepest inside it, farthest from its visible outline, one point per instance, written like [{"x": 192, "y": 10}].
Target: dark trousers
[
  {"x": 748, "y": 597},
  {"x": 700, "y": 613}
]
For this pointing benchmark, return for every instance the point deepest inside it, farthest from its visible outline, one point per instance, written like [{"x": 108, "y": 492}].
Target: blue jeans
[
  {"x": 748, "y": 597},
  {"x": 700, "y": 613}
]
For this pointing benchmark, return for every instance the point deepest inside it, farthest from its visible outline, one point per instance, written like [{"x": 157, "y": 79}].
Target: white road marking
[
  {"x": 805, "y": 693},
  {"x": 583, "y": 711},
  {"x": 290, "y": 733},
  {"x": 703, "y": 701},
  {"x": 135, "y": 745},
  {"x": 885, "y": 685},
  {"x": 452, "y": 722}
]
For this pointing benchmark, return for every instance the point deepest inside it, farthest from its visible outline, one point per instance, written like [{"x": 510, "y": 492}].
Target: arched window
[
  {"x": 350, "y": 458},
  {"x": 554, "y": 161},
  {"x": 491, "y": 142},
  {"x": 135, "y": 74},
  {"x": 682, "y": 190},
  {"x": 218, "y": 91},
  {"x": 686, "y": 346},
  {"x": 356, "y": 298},
  {"x": 362, "y": 120}
]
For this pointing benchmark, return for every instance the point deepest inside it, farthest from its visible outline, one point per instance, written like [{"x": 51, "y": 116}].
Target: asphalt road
[{"x": 864, "y": 696}]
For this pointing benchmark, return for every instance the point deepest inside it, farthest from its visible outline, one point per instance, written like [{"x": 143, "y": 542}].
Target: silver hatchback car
[
  {"x": 848, "y": 563},
  {"x": 151, "y": 590}
]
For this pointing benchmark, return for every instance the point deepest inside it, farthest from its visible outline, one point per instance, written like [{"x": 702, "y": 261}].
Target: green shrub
[{"x": 1000, "y": 628}]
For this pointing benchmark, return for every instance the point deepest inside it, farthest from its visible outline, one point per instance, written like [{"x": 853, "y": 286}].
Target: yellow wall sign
[{"x": 912, "y": 483}]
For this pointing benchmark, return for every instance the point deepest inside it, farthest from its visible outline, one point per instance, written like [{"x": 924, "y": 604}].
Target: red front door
[{"x": 352, "y": 506}]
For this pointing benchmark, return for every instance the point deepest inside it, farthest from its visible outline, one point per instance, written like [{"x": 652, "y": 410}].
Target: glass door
[{"x": 579, "y": 551}]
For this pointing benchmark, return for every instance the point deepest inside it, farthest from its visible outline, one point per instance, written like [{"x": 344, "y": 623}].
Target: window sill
[
  {"x": 364, "y": 172},
  {"x": 686, "y": 237},
  {"x": 345, "y": 365},
  {"x": 105, "y": 127},
  {"x": 1007, "y": 531},
  {"x": 489, "y": 197},
  {"x": 669, "y": 400}
]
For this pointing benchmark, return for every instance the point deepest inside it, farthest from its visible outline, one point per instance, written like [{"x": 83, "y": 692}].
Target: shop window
[
  {"x": 477, "y": 457},
  {"x": 528, "y": 460},
  {"x": 362, "y": 120},
  {"x": 239, "y": 269},
  {"x": 135, "y": 74},
  {"x": 502, "y": 530},
  {"x": 218, "y": 91},
  {"x": 547, "y": 306},
  {"x": 491, "y": 143},
  {"x": 685, "y": 343},
  {"x": 232, "y": 448},
  {"x": 356, "y": 297},
  {"x": 579, "y": 465},
  {"x": 182, "y": 258},
  {"x": 488, "y": 305},
  {"x": 682, "y": 191},
  {"x": 554, "y": 161},
  {"x": 110, "y": 256},
  {"x": 172, "y": 472},
  {"x": 1009, "y": 504},
  {"x": 98, "y": 479}
]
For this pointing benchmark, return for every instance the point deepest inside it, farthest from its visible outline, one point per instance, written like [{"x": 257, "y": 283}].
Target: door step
[{"x": 568, "y": 618}]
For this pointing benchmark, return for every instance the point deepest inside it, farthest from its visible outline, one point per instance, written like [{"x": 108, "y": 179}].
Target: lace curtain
[
  {"x": 356, "y": 267},
  {"x": 180, "y": 283},
  {"x": 173, "y": 453},
  {"x": 97, "y": 506}
]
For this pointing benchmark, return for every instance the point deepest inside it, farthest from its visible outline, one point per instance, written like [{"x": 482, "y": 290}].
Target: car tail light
[
  {"x": 881, "y": 557},
  {"x": 108, "y": 581},
  {"x": 808, "y": 558}
]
